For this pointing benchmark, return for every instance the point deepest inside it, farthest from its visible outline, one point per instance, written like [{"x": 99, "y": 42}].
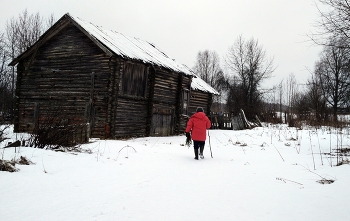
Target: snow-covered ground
[{"x": 267, "y": 173}]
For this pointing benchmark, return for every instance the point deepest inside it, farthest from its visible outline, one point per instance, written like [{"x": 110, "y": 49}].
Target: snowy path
[{"x": 247, "y": 179}]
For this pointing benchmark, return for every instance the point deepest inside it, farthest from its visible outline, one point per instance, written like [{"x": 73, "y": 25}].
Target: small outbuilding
[{"x": 118, "y": 86}]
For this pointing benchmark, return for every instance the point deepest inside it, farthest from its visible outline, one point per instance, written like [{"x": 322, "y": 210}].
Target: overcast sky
[{"x": 182, "y": 28}]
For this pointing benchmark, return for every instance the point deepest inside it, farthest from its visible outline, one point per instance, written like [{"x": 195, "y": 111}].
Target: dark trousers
[{"x": 198, "y": 144}]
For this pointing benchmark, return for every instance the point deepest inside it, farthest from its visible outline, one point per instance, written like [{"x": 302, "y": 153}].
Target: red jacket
[{"x": 198, "y": 125}]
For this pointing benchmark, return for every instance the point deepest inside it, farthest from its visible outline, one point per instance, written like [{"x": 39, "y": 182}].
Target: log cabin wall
[
  {"x": 147, "y": 100},
  {"x": 165, "y": 102},
  {"x": 209, "y": 103},
  {"x": 185, "y": 96},
  {"x": 77, "y": 79},
  {"x": 131, "y": 117},
  {"x": 199, "y": 99},
  {"x": 179, "y": 104},
  {"x": 184, "y": 120},
  {"x": 133, "y": 100},
  {"x": 69, "y": 76},
  {"x": 116, "y": 68},
  {"x": 165, "y": 87},
  {"x": 163, "y": 121},
  {"x": 150, "y": 104}
]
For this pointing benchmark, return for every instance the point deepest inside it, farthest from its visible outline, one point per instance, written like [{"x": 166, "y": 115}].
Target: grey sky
[{"x": 181, "y": 28}]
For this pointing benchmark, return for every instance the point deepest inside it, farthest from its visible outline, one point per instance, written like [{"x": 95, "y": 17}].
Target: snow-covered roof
[
  {"x": 201, "y": 85},
  {"x": 130, "y": 47},
  {"x": 138, "y": 49}
]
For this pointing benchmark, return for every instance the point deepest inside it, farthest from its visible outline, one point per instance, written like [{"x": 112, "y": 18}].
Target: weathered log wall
[
  {"x": 153, "y": 114},
  {"x": 184, "y": 120},
  {"x": 165, "y": 102},
  {"x": 199, "y": 99},
  {"x": 162, "y": 121},
  {"x": 68, "y": 74},
  {"x": 165, "y": 87},
  {"x": 184, "y": 116},
  {"x": 70, "y": 77},
  {"x": 130, "y": 117},
  {"x": 130, "y": 111}
]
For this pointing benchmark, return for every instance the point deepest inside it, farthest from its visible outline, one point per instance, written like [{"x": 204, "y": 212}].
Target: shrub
[{"x": 8, "y": 166}]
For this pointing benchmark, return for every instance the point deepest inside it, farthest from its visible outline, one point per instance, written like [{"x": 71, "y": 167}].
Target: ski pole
[{"x": 211, "y": 153}]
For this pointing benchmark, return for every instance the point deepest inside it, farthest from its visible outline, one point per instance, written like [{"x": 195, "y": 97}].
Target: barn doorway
[{"x": 162, "y": 122}]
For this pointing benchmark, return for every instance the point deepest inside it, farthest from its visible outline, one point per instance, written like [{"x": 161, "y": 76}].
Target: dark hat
[{"x": 199, "y": 109}]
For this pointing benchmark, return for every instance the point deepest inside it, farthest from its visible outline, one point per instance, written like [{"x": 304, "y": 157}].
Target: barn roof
[
  {"x": 199, "y": 84},
  {"x": 133, "y": 48}
]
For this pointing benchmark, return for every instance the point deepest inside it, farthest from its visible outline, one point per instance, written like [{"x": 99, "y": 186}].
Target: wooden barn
[{"x": 116, "y": 85}]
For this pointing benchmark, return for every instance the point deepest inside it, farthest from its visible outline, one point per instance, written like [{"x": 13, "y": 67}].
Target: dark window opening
[
  {"x": 134, "y": 80},
  {"x": 185, "y": 98}
]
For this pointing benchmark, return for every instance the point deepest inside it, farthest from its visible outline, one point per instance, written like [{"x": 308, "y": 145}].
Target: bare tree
[
  {"x": 208, "y": 68},
  {"x": 50, "y": 21},
  {"x": 5, "y": 79},
  {"x": 234, "y": 97},
  {"x": 333, "y": 32},
  {"x": 280, "y": 98},
  {"x": 333, "y": 72},
  {"x": 20, "y": 33},
  {"x": 248, "y": 61},
  {"x": 11, "y": 52},
  {"x": 302, "y": 107},
  {"x": 2, "y": 53},
  {"x": 291, "y": 91},
  {"x": 23, "y": 32},
  {"x": 316, "y": 100},
  {"x": 334, "y": 21}
]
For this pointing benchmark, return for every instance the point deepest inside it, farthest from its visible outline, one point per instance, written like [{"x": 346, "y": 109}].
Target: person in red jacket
[{"x": 197, "y": 128}]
